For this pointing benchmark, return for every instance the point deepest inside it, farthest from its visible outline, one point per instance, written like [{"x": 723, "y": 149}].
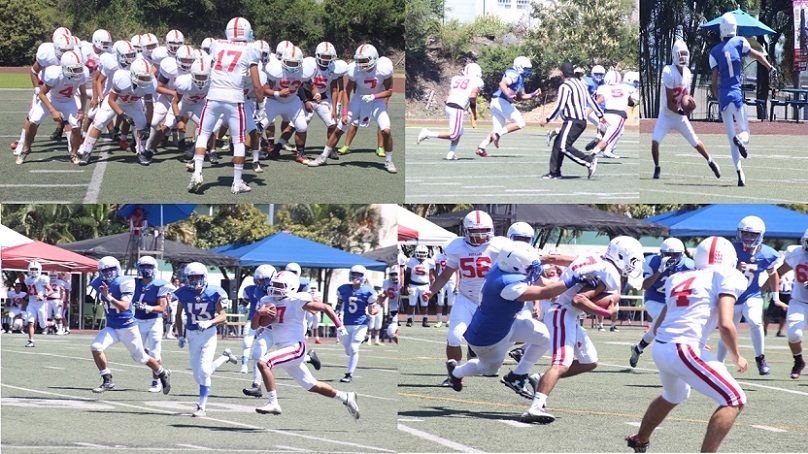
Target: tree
[
  {"x": 26, "y": 24},
  {"x": 421, "y": 23},
  {"x": 56, "y": 224},
  {"x": 353, "y": 22}
]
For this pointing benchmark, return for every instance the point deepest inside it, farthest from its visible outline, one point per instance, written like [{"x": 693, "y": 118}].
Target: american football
[
  {"x": 688, "y": 104},
  {"x": 266, "y": 314}
]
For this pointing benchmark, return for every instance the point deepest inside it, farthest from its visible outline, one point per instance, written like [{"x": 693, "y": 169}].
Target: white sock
[
  {"x": 326, "y": 151},
  {"x": 539, "y": 399},
  {"x": 648, "y": 337},
  {"x": 105, "y": 371},
  {"x": 272, "y": 396},
  {"x": 431, "y": 134},
  {"x": 152, "y": 135},
  {"x": 353, "y": 360},
  {"x": 255, "y": 156},
  {"x": 389, "y": 157},
  {"x": 237, "y": 171},
  {"x": 217, "y": 363},
  {"x": 341, "y": 396},
  {"x": 87, "y": 146},
  {"x": 22, "y": 138},
  {"x": 198, "y": 161}
]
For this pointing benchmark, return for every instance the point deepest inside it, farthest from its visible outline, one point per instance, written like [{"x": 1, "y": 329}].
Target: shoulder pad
[
  {"x": 340, "y": 67},
  {"x": 309, "y": 68},
  {"x": 511, "y": 74},
  {"x": 351, "y": 71},
  {"x": 52, "y": 75},
  {"x": 168, "y": 67},
  {"x": 304, "y": 297},
  {"x": 121, "y": 80},
  {"x": 274, "y": 70},
  {"x": 127, "y": 285},
  {"x": 384, "y": 67}
]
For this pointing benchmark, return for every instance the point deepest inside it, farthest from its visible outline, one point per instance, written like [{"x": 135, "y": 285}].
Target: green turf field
[
  {"x": 48, "y": 405},
  {"x": 775, "y": 171},
  {"x": 115, "y": 176},
  {"x": 514, "y": 171},
  {"x": 595, "y": 411}
]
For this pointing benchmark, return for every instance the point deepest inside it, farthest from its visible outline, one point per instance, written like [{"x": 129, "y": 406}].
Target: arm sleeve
[
  {"x": 563, "y": 95},
  {"x": 513, "y": 291}
]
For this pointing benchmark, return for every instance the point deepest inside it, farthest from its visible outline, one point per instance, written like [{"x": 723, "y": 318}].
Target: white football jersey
[
  {"x": 440, "y": 264},
  {"x": 290, "y": 322},
  {"x": 62, "y": 89},
  {"x": 473, "y": 262},
  {"x": 797, "y": 259},
  {"x": 56, "y": 286},
  {"x": 393, "y": 293},
  {"x": 46, "y": 56},
  {"x": 249, "y": 90},
  {"x": 279, "y": 78},
  {"x": 678, "y": 82},
  {"x": 158, "y": 55},
  {"x": 108, "y": 64},
  {"x": 616, "y": 96},
  {"x": 322, "y": 79},
  {"x": 371, "y": 82},
  {"x": 190, "y": 92},
  {"x": 230, "y": 68},
  {"x": 691, "y": 298},
  {"x": 169, "y": 69},
  {"x": 461, "y": 88},
  {"x": 91, "y": 59},
  {"x": 419, "y": 271},
  {"x": 587, "y": 270},
  {"x": 37, "y": 286},
  {"x": 16, "y": 299},
  {"x": 127, "y": 93}
]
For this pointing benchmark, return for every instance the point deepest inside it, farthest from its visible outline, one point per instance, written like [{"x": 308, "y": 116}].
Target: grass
[
  {"x": 513, "y": 172},
  {"x": 595, "y": 411},
  {"x": 114, "y": 176},
  {"x": 48, "y": 406}
]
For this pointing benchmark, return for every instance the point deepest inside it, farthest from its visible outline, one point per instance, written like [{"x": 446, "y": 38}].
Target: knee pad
[
  {"x": 520, "y": 122},
  {"x": 454, "y": 338},
  {"x": 96, "y": 347},
  {"x": 239, "y": 150}
]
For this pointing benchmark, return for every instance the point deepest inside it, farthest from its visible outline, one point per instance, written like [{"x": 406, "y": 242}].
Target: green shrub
[
  {"x": 455, "y": 39},
  {"x": 489, "y": 27}
]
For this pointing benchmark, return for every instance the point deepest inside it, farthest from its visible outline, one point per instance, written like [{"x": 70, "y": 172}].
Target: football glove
[
  {"x": 204, "y": 324},
  {"x": 181, "y": 342},
  {"x": 341, "y": 332},
  {"x": 368, "y": 98}
]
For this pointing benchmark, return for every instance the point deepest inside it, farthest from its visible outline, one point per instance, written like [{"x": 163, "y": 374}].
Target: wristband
[
  {"x": 276, "y": 94},
  {"x": 775, "y": 296},
  {"x": 344, "y": 111},
  {"x": 602, "y": 312}
]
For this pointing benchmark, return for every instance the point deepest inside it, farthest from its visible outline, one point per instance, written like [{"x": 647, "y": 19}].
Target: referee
[{"x": 573, "y": 98}]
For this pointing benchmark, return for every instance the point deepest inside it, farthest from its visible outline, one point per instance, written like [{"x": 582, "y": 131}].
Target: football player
[
  {"x": 149, "y": 301},
  {"x": 422, "y": 275},
  {"x": 235, "y": 61},
  {"x": 354, "y": 299},
  {"x": 57, "y": 301},
  {"x": 375, "y": 314},
  {"x": 695, "y": 302},
  {"x": 129, "y": 87},
  {"x": 289, "y": 327},
  {"x": 203, "y": 307},
  {"x": 121, "y": 57},
  {"x": 284, "y": 79},
  {"x": 56, "y": 96},
  {"x": 16, "y": 309},
  {"x": 573, "y": 352},
  {"x": 391, "y": 294},
  {"x": 446, "y": 295},
  {"x": 675, "y": 85},
  {"x": 616, "y": 98},
  {"x": 253, "y": 294},
  {"x": 191, "y": 93},
  {"x": 114, "y": 291},
  {"x": 370, "y": 78},
  {"x": 797, "y": 260},
  {"x": 463, "y": 92},
  {"x": 754, "y": 259},
  {"x": 328, "y": 79},
  {"x": 657, "y": 270},
  {"x": 472, "y": 255},
  {"x": 37, "y": 310},
  {"x": 726, "y": 62},
  {"x": 256, "y": 112},
  {"x": 511, "y": 89}
]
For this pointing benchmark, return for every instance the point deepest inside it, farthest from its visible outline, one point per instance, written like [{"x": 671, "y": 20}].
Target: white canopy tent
[
  {"x": 414, "y": 229},
  {"x": 9, "y": 238}
]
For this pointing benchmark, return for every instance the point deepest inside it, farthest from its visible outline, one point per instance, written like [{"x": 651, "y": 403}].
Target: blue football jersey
[
  {"x": 149, "y": 294},
  {"x": 592, "y": 86},
  {"x": 122, "y": 287},
  {"x": 727, "y": 57},
  {"x": 656, "y": 292},
  {"x": 304, "y": 284},
  {"x": 516, "y": 84},
  {"x": 494, "y": 317},
  {"x": 756, "y": 264},
  {"x": 253, "y": 294},
  {"x": 199, "y": 306},
  {"x": 354, "y": 303}
]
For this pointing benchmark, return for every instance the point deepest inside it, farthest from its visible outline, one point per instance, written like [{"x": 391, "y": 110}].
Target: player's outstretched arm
[
  {"x": 441, "y": 281},
  {"x": 534, "y": 292},
  {"x": 325, "y": 308}
]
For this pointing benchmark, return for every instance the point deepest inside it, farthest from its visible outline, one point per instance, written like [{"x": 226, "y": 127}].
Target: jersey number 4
[
  {"x": 235, "y": 54},
  {"x": 682, "y": 292},
  {"x": 471, "y": 267},
  {"x": 67, "y": 92}
]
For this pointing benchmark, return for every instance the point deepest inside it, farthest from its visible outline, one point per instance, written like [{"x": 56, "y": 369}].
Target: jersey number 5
[
  {"x": 801, "y": 273},
  {"x": 471, "y": 267},
  {"x": 682, "y": 291},
  {"x": 236, "y": 54}
]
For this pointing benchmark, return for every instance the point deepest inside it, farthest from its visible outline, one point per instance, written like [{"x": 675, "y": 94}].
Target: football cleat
[
  {"x": 256, "y": 166},
  {"x": 74, "y": 158},
  {"x": 614, "y": 329},
  {"x": 494, "y": 138},
  {"x": 271, "y": 408},
  {"x": 320, "y": 161},
  {"x": 536, "y": 415},
  {"x": 390, "y": 167},
  {"x": 409, "y": 322},
  {"x": 714, "y": 167},
  {"x": 345, "y": 149},
  {"x": 550, "y": 176},
  {"x": 450, "y": 156},
  {"x": 609, "y": 155},
  {"x": 21, "y": 157},
  {"x": 30, "y": 344},
  {"x": 763, "y": 367},
  {"x": 165, "y": 380},
  {"x": 252, "y": 391},
  {"x": 518, "y": 384},
  {"x": 637, "y": 445},
  {"x": 348, "y": 378},
  {"x": 155, "y": 387},
  {"x": 741, "y": 147},
  {"x": 230, "y": 356},
  {"x": 213, "y": 157},
  {"x": 635, "y": 356},
  {"x": 517, "y": 353},
  {"x": 105, "y": 385},
  {"x": 439, "y": 324},
  {"x": 239, "y": 187},
  {"x": 741, "y": 178},
  {"x": 423, "y": 135},
  {"x": 481, "y": 152},
  {"x": 289, "y": 147},
  {"x": 353, "y": 407},
  {"x": 657, "y": 170},
  {"x": 314, "y": 360},
  {"x": 195, "y": 184},
  {"x": 14, "y": 146},
  {"x": 799, "y": 365},
  {"x": 456, "y": 383},
  {"x": 199, "y": 412},
  {"x": 592, "y": 167},
  {"x": 301, "y": 158},
  {"x": 550, "y": 137},
  {"x": 143, "y": 158},
  {"x": 425, "y": 323},
  {"x": 333, "y": 155},
  {"x": 381, "y": 153}
]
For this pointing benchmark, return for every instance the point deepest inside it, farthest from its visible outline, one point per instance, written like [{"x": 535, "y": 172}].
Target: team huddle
[
  {"x": 507, "y": 293},
  {"x": 236, "y": 86}
]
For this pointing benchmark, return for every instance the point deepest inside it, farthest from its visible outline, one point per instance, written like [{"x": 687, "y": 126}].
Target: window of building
[
  {"x": 504, "y": 4},
  {"x": 523, "y": 4}
]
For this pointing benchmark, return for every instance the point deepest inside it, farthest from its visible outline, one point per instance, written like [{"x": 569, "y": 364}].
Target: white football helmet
[
  {"x": 804, "y": 240},
  {"x": 728, "y": 25},
  {"x": 206, "y": 43},
  {"x": 60, "y": 31},
  {"x": 673, "y": 248},
  {"x": 174, "y": 39},
  {"x": 293, "y": 268},
  {"x": 63, "y": 43},
  {"x": 393, "y": 274},
  {"x": 71, "y": 64},
  {"x": 632, "y": 78},
  {"x": 34, "y": 268},
  {"x": 473, "y": 70},
  {"x": 239, "y": 29},
  {"x": 626, "y": 254},
  {"x": 522, "y": 66},
  {"x": 478, "y": 228},
  {"x": 102, "y": 39},
  {"x": 598, "y": 73},
  {"x": 148, "y": 42},
  {"x": 125, "y": 53},
  {"x": 365, "y": 57},
  {"x": 200, "y": 72},
  {"x": 680, "y": 55},
  {"x": 324, "y": 54},
  {"x": 283, "y": 284},
  {"x": 147, "y": 267},
  {"x": 421, "y": 252},
  {"x": 281, "y": 47},
  {"x": 109, "y": 268},
  {"x": 196, "y": 275},
  {"x": 185, "y": 57},
  {"x": 750, "y": 232},
  {"x": 520, "y": 258},
  {"x": 141, "y": 73},
  {"x": 292, "y": 59},
  {"x": 357, "y": 274},
  {"x": 715, "y": 251},
  {"x": 612, "y": 77},
  {"x": 135, "y": 42},
  {"x": 262, "y": 47},
  {"x": 263, "y": 276},
  {"x": 521, "y": 231}
]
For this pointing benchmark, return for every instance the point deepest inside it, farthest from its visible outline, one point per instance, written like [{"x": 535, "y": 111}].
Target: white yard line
[
  {"x": 513, "y": 423},
  {"x": 436, "y": 439},
  {"x": 97, "y": 179},
  {"x": 770, "y": 429},
  {"x": 726, "y": 196}
]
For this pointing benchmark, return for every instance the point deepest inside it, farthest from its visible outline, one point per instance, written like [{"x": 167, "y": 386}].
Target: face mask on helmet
[
  {"x": 196, "y": 282},
  {"x": 478, "y": 237},
  {"x": 108, "y": 274},
  {"x": 357, "y": 278},
  {"x": 673, "y": 257},
  {"x": 324, "y": 55},
  {"x": 598, "y": 74},
  {"x": 750, "y": 240}
]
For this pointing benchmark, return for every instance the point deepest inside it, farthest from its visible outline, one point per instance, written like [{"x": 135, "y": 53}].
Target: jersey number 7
[{"x": 236, "y": 54}]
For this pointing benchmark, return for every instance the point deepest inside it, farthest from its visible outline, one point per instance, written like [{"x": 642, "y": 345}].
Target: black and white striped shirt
[{"x": 573, "y": 98}]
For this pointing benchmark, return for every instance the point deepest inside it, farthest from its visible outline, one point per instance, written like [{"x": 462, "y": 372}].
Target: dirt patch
[
  {"x": 755, "y": 127},
  {"x": 15, "y": 69}
]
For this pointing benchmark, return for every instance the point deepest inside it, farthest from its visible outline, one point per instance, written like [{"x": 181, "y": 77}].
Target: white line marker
[
  {"x": 770, "y": 429},
  {"x": 421, "y": 340},
  {"x": 55, "y": 171},
  {"x": 436, "y": 439},
  {"x": 54, "y": 367},
  {"x": 98, "y": 177},
  {"x": 186, "y": 445},
  {"x": 800, "y": 393},
  {"x": 290, "y": 448},
  {"x": 513, "y": 423},
  {"x": 41, "y": 185},
  {"x": 410, "y": 420},
  {"x": 727, "y": 196},
  {"x": 633, "y": 423},
  {"x": 90, "y": 445}
]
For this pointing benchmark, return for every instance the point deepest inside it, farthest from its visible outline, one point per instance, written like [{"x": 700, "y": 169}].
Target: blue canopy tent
[
  {"x": 747, "y": 25},
  {"x": 723, "y": 220},
  {"x": 159, "y": 214}
]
